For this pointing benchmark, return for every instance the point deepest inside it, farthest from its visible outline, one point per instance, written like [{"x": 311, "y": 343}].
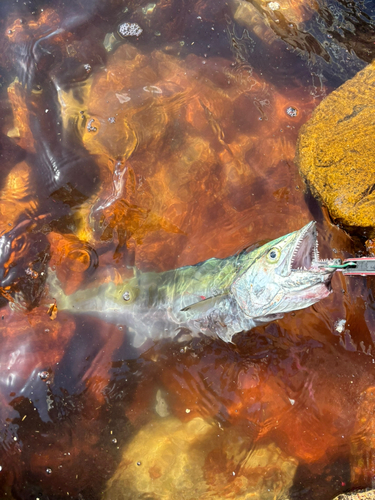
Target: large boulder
[
  {"x": 336, "y": 152},
  {"x": 169, "y": 459}
]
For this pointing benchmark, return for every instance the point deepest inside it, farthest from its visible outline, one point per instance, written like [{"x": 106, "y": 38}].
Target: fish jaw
[
  {"x": 305, "y": 253},
  {"x": 285, "y": 275}
]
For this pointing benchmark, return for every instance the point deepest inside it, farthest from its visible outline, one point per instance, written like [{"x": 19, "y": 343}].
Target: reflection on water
[{"x": 160, "y": 134}]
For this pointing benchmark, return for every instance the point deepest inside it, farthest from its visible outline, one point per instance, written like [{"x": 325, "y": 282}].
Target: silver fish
[{"x": 218, "y": 297}]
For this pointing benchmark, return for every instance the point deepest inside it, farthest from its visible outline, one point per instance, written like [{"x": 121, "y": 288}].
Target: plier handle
[{"x": 363, "y": 266}]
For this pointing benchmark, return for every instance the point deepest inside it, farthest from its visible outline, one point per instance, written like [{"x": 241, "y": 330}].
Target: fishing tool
[{"x": 362, "y": 266}]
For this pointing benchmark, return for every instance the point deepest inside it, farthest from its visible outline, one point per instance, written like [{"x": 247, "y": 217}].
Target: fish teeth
[
  {"x": 316, "y": 251},
  {"x": 296, "y": 248}
]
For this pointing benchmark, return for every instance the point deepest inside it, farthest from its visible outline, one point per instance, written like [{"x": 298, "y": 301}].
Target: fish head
[{"x": 284, "y": 275}]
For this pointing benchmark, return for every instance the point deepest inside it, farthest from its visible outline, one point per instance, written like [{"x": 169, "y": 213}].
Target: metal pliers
[{"x": 363, "y": 266}]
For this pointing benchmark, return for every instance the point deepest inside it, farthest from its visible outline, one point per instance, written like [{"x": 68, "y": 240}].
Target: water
[{"x": 160, "y": 134}]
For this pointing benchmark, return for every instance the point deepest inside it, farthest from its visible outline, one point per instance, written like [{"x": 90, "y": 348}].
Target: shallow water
[{"x": 161, "y": 134}]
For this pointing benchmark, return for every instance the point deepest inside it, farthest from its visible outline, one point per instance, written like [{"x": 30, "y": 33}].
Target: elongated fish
[{"x": 218, "y": 297}]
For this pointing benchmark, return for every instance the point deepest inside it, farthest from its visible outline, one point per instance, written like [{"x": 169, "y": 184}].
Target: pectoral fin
[
  {"x": 269, "y": 317},
  {"x": 204, "y": 305}
]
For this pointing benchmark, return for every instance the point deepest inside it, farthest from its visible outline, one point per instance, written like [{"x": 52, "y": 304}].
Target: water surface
[{"x": 157, "y": 135}]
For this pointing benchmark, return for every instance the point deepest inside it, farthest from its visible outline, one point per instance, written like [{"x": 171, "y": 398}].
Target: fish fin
[
  {"x": 205, "y": 304},
  {"x": 269, "y": 317}
]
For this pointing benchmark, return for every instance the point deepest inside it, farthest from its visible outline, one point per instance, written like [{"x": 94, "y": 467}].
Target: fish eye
[{"x": 273, "y": 255}]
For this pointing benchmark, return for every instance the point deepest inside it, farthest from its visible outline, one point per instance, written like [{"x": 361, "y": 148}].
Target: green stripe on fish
[{"x": 217, "y": 297}]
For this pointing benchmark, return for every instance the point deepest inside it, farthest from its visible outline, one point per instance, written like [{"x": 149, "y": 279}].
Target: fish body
[{"x": 217, "y": 297}]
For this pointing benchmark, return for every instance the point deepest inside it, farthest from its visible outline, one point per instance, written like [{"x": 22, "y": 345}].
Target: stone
[
  {"x": 199, "y": 459},
  {"x": 336, "y": 152},
  {"x": 357, "y": 495}
]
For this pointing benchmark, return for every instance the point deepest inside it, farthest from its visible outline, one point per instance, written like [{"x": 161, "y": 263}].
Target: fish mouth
[{"x": 305, "y": 256}]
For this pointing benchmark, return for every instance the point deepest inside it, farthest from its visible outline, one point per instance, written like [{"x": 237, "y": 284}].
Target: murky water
[{"x": 157, "y": 135}]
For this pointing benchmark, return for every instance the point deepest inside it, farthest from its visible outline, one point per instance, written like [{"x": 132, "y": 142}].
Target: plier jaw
[{"x": 363, "y": 266}]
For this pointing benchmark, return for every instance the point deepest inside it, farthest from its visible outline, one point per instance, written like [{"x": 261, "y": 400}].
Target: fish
[{"x": 217, "y": 297}]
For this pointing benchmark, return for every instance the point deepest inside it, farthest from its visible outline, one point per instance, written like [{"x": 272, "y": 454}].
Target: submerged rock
[
  {"x": 336, "y": 152},
  {"x": 199, "y": 460},
  {"x": 357, "y": 495}
]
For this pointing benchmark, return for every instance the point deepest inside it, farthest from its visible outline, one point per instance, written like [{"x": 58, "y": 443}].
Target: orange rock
[
  {"x": 20, "y": 132},
  {"x": 335, "y": 152},
  {"x": 199, "y": 460},
  {"x": 71, "y": 257},
  {"x": 16, "y": 197}
]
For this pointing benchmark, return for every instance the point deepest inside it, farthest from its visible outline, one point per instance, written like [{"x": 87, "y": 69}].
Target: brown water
[{"x": 160, "y": 134}]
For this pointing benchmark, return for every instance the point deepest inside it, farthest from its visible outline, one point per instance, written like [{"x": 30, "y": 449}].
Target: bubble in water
[
  {"x": 129, "y": 29},
  {"x": 48, "y": 471},
  {"x": 114, "y": 441},
  {"x": 90, "y": 127},
  {"x": 138, "y": 463},
  {"x": 44, "y": 375},
  {"x": 290, "y": 111},
  {"x": 126, "y": 296}
]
